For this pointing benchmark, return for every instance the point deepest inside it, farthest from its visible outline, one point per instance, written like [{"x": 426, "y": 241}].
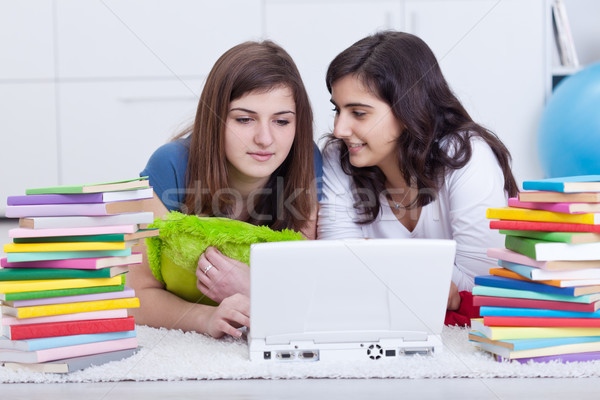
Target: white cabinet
[
  {"x": 118, "y": 125},
  {"x": 493, "y": 55},
  {"x": 89, "y": 88},
  {"x": 28, "y": 146},
  {"x": 140, "y": 38},
  {"x": 315, "y": 32},
  {"x": 26, "y": 41}
]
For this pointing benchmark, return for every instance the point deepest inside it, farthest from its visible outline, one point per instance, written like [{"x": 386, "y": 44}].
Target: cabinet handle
[{"x": 156, "y": 99}]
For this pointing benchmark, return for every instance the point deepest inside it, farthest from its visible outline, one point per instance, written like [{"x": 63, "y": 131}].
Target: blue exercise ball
[{"x": 569, "y": 131}]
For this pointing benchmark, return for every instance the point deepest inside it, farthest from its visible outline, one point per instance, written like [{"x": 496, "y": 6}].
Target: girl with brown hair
[{"x": 249, "y": 156}]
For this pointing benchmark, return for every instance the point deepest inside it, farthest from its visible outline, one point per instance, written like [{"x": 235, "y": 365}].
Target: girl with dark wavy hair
[{"x": 406, "y": 160}]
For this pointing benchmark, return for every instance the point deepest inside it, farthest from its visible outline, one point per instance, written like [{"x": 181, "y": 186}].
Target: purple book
[
  {"x": 79, "y": 198},
  {"x": 126, "y": 293},
  {"x": 563, "y": 358}
]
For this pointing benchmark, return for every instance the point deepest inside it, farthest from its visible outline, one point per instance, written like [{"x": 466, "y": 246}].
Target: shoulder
[{"x": 172, "y": 150}]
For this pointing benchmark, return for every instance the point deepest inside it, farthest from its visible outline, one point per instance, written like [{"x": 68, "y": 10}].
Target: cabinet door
[
  {"x": 109, "y": 130},
  {"x": 139, "y": 38},
  {"x": 315, "y": 32},
  {"x": 493, "y": 55},
  {"x": 27, "y": 138},
  {"x": 26, "y": 45}
]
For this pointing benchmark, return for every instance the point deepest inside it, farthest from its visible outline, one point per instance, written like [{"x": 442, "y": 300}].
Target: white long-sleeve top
[{"x": 457, "y": 213}]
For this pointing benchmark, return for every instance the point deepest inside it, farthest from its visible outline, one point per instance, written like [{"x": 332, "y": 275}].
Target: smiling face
[
  {"x": 365, "y": 123},
  {"x": 259, "y": 133}
]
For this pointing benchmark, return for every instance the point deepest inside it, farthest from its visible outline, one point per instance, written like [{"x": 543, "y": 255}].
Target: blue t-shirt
[{"x": 167, "y": 166}]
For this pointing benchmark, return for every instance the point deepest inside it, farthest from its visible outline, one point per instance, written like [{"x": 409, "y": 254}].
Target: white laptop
[{"x": 348, "y": 299}]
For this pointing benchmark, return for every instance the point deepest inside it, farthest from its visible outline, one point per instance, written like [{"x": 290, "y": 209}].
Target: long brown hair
[
  {"x": 290, "y": 198},
  {"x": 400, "y": 69}
]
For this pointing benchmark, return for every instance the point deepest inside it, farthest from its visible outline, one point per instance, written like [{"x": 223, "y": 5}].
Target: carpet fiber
[{"x": 174, "y": 355}]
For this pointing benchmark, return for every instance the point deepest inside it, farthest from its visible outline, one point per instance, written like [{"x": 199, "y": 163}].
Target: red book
[
  {"x": 533, "y": 303},
  {"x": 67, "y": 328},
  {"x": 543, "y": 226},
  {"x": 542, "y": 321}
]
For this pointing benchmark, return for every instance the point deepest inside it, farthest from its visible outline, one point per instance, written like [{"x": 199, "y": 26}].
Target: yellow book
[
  {"x": 67, "y": 246},
  {"x": 51, "y": 284},
  {"x": 70, "y": 308},
  {"x": 523, "y": 214},
  {"x": 529, "y": 332}
]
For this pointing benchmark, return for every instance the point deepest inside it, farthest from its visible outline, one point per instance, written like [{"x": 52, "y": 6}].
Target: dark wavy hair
[
  {"x": 400, "y": 69},
  {"x": 251, "y": 67}
]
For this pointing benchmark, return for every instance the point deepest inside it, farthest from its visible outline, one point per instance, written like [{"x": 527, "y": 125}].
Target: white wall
[{"x": 89, "y": 88}]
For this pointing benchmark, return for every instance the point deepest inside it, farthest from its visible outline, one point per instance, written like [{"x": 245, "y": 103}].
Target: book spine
[
  {"x": 41, "y": 199},
  {"x": 121, "y": 294},
  {"x": 65, "y": 246},
  {"x": 544, "y": 226},
  {"x": 75, "y": 263},
  {"x": 71, "y": 308},
  {"x": 93, "y": 230},
  {"x": 24, "y": 286},
  {"x": 59, "y": 255},
  {"x": 52, "y": 329}
]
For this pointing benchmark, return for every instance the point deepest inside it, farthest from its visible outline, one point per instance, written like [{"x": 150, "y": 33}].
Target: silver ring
[{"x": 206, "y": 269}]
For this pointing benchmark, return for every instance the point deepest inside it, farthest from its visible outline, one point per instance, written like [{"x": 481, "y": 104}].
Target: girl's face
[
  {"x": 365, "y": 123},
  {"x": 259, "y": 132}
]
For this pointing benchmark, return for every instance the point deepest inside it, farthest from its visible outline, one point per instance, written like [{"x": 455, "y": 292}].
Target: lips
[
  {"x": 355, "y": 147},
  {"x": 261, "y": 156}
]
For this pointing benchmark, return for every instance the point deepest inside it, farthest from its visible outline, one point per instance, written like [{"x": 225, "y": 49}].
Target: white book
[{"x": 81, "y": 221}]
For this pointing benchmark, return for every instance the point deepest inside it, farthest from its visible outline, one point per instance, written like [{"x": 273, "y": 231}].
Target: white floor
[{"x": 314, "y": 389}]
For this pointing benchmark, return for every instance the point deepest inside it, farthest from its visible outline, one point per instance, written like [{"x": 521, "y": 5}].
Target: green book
[
  {"x": 25, "y": 274},
  {"x": 129, "y": 184},
  {"x": 42, "y": 294},
  {"x": 563, "y": 237},
  {"x": 108, "y": 237}
]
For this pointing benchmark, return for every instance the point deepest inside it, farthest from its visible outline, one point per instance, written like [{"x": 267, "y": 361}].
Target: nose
[
  {"x": 341, "y": 128},
  {"x": 263, "y": 135}
]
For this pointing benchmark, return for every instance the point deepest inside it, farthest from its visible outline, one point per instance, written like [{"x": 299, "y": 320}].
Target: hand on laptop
[
  {"x": 220, "y": 277},
  {"x": 231, "y": 314}
]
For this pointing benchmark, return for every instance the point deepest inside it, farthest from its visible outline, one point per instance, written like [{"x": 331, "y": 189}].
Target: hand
[
  {"x": 453, "y": 298},
  {"x": 225, "y": 276},
  {"x": 232, "y": 313}
]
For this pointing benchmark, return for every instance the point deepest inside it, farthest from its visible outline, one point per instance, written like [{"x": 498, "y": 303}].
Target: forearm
[{"x": 160, "y": 308}]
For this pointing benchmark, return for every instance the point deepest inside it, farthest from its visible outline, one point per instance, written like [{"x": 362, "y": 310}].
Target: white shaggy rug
[{"x": 173, "y": 355}]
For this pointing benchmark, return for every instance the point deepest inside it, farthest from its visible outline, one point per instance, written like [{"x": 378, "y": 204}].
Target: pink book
[
  {"x": 76, "y": 263},
  {"x": 127, "y": 292},
  {"x": 83, "y": 231},
  {"x": 58, "y": 353},
  {"x": 514, "y": 257},
  {"x": 66, "y": 210},
  {"x": 102, "y": 314},
  {"x": 567, "y": 208}
]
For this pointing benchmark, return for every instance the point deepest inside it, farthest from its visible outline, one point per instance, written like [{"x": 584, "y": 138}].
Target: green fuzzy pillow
[{"x": 173, "y": 256}]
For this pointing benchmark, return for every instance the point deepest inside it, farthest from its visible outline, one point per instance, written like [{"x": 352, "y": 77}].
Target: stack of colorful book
[
  {"x": 543, "y": 302},
  {"x": 62, "y": 285}
]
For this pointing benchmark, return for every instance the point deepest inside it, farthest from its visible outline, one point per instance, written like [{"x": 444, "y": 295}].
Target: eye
[
  {"x": 359, "y": 113},
  {"x": 244, "y": 120},
  {"x": 281, "y": 122},
  {"x": 336, "y": 110}
]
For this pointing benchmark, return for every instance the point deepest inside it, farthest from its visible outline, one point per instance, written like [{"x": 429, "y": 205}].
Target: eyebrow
[
  {"x": 254, "y": 112},
  {"x": 352, "y": 104}
]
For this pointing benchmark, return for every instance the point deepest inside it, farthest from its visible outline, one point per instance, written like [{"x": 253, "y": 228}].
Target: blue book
[
  {"x": 508, "y": 283},
  {"x": 61, "y": 255},
  {"x": 61, "y": 341},
  {"x": 567, "y": 184},
  {"x": 528, "y": 294},
  {"x": 534, "y": 312},
  {"x": 526, "y": 344}
]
